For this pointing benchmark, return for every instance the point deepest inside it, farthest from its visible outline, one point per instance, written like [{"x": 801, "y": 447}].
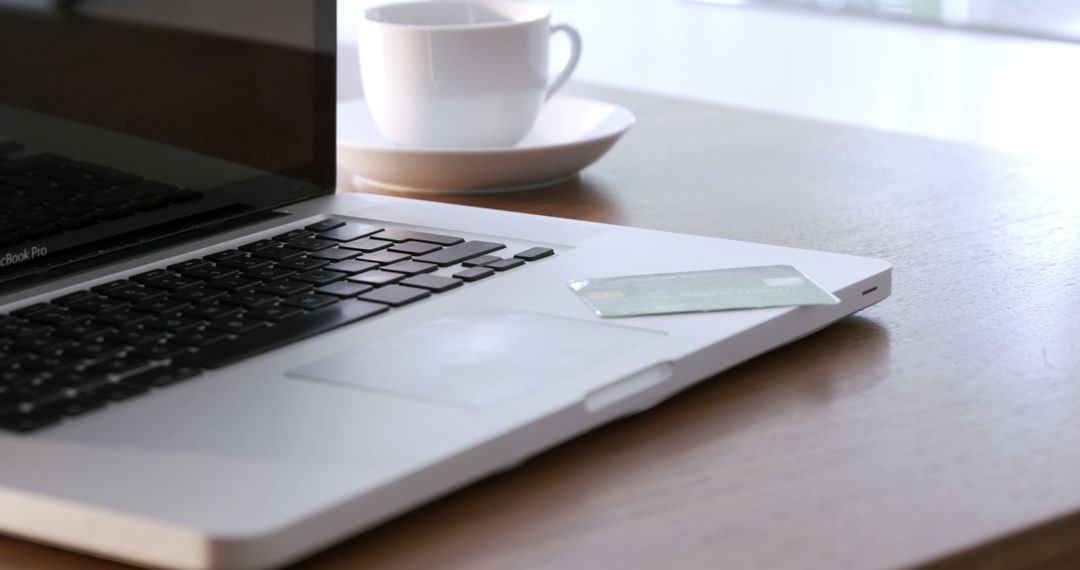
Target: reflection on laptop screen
[{"x": 124, "y": 121}]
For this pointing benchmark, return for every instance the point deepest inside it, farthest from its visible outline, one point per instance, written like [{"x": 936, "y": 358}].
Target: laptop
[{"x": 208, "y": 359}]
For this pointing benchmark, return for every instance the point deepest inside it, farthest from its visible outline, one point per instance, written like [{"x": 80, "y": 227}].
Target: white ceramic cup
[{"x": 458, "y": 73}]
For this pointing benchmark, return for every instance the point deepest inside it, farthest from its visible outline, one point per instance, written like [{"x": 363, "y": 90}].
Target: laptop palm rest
[{"x": 478, "y": 358}]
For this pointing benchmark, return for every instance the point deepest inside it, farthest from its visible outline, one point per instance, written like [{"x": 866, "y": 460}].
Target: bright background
[{"x": 1012, "y": 93}]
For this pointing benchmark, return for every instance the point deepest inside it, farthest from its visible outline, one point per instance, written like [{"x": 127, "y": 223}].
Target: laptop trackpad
[{"x": 478, "y": 358}]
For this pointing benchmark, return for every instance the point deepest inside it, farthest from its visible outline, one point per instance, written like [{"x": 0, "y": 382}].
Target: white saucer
[{"x": 570, "y": 134}]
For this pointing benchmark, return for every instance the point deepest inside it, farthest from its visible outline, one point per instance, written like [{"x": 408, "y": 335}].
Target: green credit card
[{"x": 697, "y": 291}]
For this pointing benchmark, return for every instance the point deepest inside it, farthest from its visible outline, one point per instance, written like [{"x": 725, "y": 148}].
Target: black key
[
  {"x": 433, "y": 283},
  {"x": 71, "y": 209},
  {"x": 248, "y": 299},
  {"x": 77, "y": 222},
  {"x": 111, "y": 286},
  {"x": 43, "y": 342},
  {"x": 292, "y": 235},
  {"x": 146, "y": 190},
  {"x": 85, "y": 186},
  {"x": 344, "y": 289},
  {"x": 319, "y": 277},
  {"x": 349, "y": 232},
  {"x": 27, "y": 422},
  {"x": 351, "y": 267},
  {"x": 198, "y": 294},
  {"x": 411, "y": 267},
  {"x": 325, "y": 225},
  {"x": 505, "y": 264},
  {"x": 201, "y": 337},
  {"x": 309, "y": 301},
  {"x": 334, "y": 254},
  {"x": 303, "y": 263},
  {"x": 97, "y": 350},
  {"x": 175, "y": 323},
  {"x": 367, "y": 245},
  {"x": 15, "y": 202},
  {"x": 56, "y": 316},
  {"x": 163, "y": 376},
  {"x": 286, "y": 288},
  {"x": 377, "y": 278},
  {"x": 415, "y": 247},
  {"x": 114, "y": 213},
  {"x": 160, "y": 350},
  {"x": 223, "y": 255},
  {"x": 210, "y": 272},
  {"x": 56, "y": 175},
  {"x": 161, "y": 306},
  {"x": 481, "y": 261},
  {"x": 310, "y": 244},
  {"x": 35, "y": 218},
  {"x": 122, "y": 318},
  {"x": 85, "y": 329},
  {"x": 239, "y": 325},
  {"x": 184, "y": 196},
  {"x": 38, "y": 232},
  {"x": 284, "y": 332},
  {"x": 257, "y": 245},
  {"x": 406, "y": 235},
  {"x": 12, "y": 379},
  {"x": 234, "y": 283},
  {"x": 474, "y": 273},
  {"x": 31, "y": 309},
  {"x": 72, "y": 297},
  {"x": 109, "y": 175},
  {"x": 25, "y": 182},
  {"x": 136, "y": 293},
  {"x": 10, "y": 147},
  {"x": 271, "y": 273},
  {"x": 120, "y": 366},
  {"x": 534, "y": 253},
  {"x": 213, "y": 311},
  {"x": 106, "y": 200},
  {"x": 189, "y": 264},
  {"x": 245, "y": 262},
  {"x": 277, "y": 253},
  {"x": 172, "y": 281},
  {"x": 31, "y": 163},
  {"x": 53, "y": 364},
  {"x": 135, "y": 336},
  {"x": 274, "y": 312},
  {"x": 18, "y": 328},
  {"x": 83, "y": 403},
  {"x": 383, "y": 257},
  {"x": 97, "y": 305},
  {"x": 148, "y": 204},
  {"x": 459, "y": 253},
  {"x": 121, "y": 391},
  {"x": 395, "y": 295}
]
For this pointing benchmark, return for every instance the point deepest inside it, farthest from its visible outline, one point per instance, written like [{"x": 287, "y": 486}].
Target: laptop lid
[{"x": 127, "y": 123}]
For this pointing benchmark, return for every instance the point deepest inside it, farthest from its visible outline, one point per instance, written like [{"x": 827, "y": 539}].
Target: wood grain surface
[{"x": 938, "y": 429}]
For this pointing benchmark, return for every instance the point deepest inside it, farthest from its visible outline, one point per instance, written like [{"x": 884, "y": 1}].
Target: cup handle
[{"x": 575, "y": 54}]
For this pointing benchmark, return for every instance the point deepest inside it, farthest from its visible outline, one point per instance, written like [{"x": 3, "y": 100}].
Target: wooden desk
[{"x": 940, "y": 428}]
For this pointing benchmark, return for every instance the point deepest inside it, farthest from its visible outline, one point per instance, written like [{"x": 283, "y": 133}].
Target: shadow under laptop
[{"x": 641, "y": 467}]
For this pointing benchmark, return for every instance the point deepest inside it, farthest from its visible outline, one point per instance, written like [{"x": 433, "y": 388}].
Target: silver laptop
[{"x": 208, "y": 359}]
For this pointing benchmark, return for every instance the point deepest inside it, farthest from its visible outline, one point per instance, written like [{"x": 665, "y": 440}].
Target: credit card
[{"x": 698, "y": 291}]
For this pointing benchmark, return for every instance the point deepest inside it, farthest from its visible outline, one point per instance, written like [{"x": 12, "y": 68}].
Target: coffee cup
[{"x": 459, "y": 73}]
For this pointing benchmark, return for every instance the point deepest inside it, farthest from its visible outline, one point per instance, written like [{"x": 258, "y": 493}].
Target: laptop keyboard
[
  {"x": 85, "y": 350},
  {"x": 45, "y": 194}
]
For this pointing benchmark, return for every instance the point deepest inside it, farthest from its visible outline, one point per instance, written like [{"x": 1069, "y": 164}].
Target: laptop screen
[{"x": 126, "y": 122}]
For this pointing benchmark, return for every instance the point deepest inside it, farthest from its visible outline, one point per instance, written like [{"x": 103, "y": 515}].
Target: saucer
[{"x": 570, "y": 134}]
